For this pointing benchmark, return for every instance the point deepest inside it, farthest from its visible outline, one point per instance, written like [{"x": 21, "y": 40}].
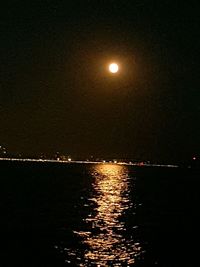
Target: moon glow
[{"x": 113, "y": 67}]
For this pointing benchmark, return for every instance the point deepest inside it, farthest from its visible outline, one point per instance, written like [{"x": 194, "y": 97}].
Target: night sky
[{"x": 57, "y": 95}]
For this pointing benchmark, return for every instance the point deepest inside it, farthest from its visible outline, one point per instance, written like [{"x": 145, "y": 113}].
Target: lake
[{"x": 71, "y": 214}]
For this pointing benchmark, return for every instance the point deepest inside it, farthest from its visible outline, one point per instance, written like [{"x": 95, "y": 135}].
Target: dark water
[{"x": 97, "y": 215}]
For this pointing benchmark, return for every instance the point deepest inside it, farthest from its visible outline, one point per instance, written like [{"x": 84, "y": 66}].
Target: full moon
[{"x": 113, "y": 67}]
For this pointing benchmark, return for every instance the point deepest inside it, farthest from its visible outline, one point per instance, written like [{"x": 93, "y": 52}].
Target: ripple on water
[{"x": 103, "y": 240}]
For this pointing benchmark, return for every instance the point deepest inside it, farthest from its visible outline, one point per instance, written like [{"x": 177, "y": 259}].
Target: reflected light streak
[{"x": 106, "y": 243}]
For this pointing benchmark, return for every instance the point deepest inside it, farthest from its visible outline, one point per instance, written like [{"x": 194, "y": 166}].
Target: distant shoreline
[{"x": 89, "y": 162}]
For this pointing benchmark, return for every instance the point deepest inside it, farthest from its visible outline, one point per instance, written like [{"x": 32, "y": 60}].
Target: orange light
[{"x": 113, "y": 67}]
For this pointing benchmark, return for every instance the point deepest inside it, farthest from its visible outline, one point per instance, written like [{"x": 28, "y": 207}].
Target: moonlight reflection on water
[{"x": 106, "y": 238}]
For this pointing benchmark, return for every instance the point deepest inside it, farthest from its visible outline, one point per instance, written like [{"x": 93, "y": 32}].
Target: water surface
[
  {"x": 97, "y": 215},
  {"x": 104, "y": 231}
]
